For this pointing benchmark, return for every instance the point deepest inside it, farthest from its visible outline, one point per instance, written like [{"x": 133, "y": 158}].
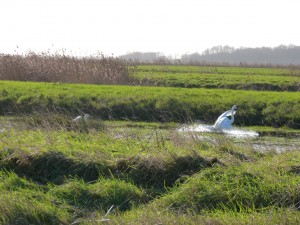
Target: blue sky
[{"x": 122, "y": 26}]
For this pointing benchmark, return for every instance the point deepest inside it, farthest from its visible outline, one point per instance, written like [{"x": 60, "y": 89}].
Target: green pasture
[
  {"x": 274, "y": 79},
  {"x": 140, "y": 103},
  {"x": 221, "y": 70}
]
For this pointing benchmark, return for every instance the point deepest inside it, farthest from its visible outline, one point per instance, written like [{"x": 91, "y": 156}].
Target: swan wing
[
  {"x": 225, "y": 114},
  {"x": 229, "y": 113},
  {"x": 223, "y": 123}
]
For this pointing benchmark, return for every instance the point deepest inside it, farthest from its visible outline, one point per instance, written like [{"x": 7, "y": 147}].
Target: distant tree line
[
  {"x": 225, "y": 55},
  {"x": 147, "y": 57}
]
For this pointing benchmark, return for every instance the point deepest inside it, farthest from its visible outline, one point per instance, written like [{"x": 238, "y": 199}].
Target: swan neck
[{"x": 232, "y": 114}]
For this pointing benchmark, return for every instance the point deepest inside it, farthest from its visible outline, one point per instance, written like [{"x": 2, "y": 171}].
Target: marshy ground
[{"x": 149, "y": 173}]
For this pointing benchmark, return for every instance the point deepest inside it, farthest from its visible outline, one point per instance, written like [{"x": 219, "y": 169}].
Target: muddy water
[
  {"x": 234, "y": 132},
  {"x": 244, "y": 137}
]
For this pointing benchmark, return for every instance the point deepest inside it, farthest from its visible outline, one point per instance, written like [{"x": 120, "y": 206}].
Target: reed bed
[{"x": 65, "y": 68}]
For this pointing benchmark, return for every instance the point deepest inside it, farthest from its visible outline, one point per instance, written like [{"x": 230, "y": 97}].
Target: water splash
[
  {"x": 241, "y": 133},
  {"x": 197, "y": 128},
  {"x": 235, "y": 132},
  {"x": 241, "y": 137}
]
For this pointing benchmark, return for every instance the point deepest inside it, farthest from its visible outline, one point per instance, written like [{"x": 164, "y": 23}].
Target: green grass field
[
  {"x": 276, "y": 79},
  {"x": 150, "y": 103},
  {"x": 130, "y": 164}
]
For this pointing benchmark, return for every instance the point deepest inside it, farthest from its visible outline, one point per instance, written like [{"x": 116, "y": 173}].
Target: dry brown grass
[{"x": 56, "y": 67}]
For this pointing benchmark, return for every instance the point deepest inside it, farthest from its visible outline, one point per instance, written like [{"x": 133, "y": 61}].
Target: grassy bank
[
  {"x": 149, "y": 103},
  {"x": 52, "y": 175}
]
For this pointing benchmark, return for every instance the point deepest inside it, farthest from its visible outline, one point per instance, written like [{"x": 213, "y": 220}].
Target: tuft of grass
[
  {"x": 25, "y": 202},
  {"x": 99, "y": 195},
  {"x": 154, "y": 215},
  {"x": 248, "y": 187},
  {"x": 52, "y": 167},
  {"x": 159, "y": 173}
]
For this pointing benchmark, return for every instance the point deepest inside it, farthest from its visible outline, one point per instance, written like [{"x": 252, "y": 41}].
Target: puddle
[
  {"x": 234, "y": 132},
  {"x": 197, "y": 128},
  {"x": 240, "y": 133},
  {"x": 243, "y": 137},
  {"x": 277, "y": 147}
]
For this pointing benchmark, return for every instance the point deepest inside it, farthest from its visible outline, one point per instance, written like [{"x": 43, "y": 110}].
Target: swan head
[
  {"x": 235, "y": 107},
  {"x": 86, "y": 116}
]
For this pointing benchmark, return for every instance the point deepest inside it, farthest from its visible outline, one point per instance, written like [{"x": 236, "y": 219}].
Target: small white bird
[
  {"x": 79, "y": 118},
  {"x": 226, "y": 119}
]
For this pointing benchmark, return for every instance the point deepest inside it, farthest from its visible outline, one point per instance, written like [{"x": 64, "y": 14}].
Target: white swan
[
  {"x": 79, "y": 118},
  {"x": 225, "y": 120}
]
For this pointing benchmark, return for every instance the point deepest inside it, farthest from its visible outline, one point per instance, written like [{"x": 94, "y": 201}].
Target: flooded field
[
  {"x": 258, "y": 138},
  {"x": 272, "y": 140}
]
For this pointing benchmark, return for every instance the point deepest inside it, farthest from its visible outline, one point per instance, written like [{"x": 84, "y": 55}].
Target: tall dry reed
[{"x": 63, "y": 68}]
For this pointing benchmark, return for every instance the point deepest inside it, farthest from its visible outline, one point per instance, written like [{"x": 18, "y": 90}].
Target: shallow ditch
[{"x": 150, "y": 172}]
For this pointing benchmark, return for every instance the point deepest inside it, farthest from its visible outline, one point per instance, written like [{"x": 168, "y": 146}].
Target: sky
[{"x": 116, "y": 27}]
